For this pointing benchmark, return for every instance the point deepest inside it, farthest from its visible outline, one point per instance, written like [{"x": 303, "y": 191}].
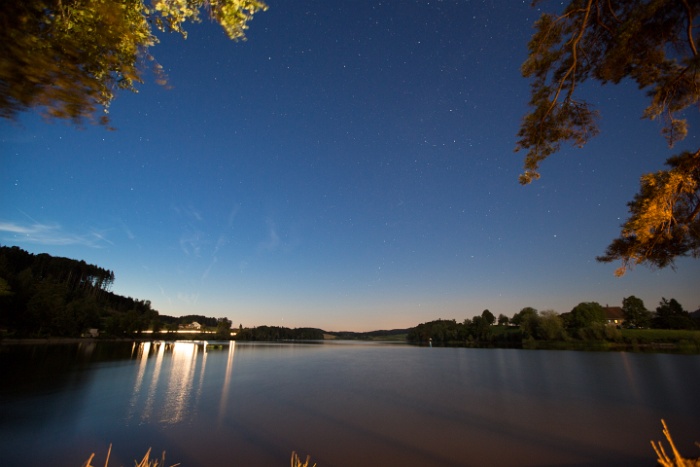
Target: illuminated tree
[
  {"x": 664, "y": 222},
  {"x": 67, "y": 58},
  {"x": 653, "y": 43}
]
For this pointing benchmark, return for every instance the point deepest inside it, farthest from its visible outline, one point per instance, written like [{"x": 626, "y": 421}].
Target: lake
[{"x": 344, "y": 403}]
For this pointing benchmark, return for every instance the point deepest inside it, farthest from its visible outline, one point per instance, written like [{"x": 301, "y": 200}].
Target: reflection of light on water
[
  {"x": 227, "y": 381},
  {"x": 87, "y": 348},
  {"x": 630, "y": 375},
  {"x": 180, "y": 383},
  {"x": 198, "y": 394},
  {"x": 143, "y": 350},
  {"x": 154, "y": 382},
  {"x": 177, "y": 395}
]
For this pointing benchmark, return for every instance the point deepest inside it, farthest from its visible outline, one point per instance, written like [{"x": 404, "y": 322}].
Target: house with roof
[{"x": 614, "y": 315}]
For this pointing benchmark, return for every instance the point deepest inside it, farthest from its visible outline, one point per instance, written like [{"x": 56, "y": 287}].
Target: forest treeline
[
  {"x": 585, "y": 323},
  {"x": 50, "y": 296},
  {"x": 278, "y": 333},
  {"x": 371, "y": 335}
]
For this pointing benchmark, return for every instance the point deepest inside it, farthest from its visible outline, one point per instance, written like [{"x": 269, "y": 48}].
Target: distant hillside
[
  {"x": 393, "y": 334},
  {"x": 278, "y": 333}
]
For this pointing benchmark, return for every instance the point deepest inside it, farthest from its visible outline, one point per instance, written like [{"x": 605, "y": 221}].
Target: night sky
[{"x": 349, "y": 167}]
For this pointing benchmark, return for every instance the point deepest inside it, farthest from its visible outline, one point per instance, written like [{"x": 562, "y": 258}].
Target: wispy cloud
[
  {"x": 192, "y": 239},
  {"x": 220, "y": 243},
  {"x": 101, "y": 237},
  {"x": 191, "y": 243},
  {"x": 273, "y": 239},
  {"x": 189, "y": 212},
  {"x": 164, "y": 295},
  {"x": 127, "y": 231},
  {"x": 232, "y": 216},
  {"x": 50, "y": 234},
  {"x": 189, "y": 299}
]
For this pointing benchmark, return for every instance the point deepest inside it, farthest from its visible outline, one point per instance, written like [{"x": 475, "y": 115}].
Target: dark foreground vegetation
[{"x": 44, "y": 296}]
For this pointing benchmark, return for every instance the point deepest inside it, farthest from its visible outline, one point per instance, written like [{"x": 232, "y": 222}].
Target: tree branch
[
  {"x": 574, "y": 61},
  {"x": 691, "y": 41}
]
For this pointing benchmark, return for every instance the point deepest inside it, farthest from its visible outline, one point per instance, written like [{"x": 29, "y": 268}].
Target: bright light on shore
[{"x": 185, "y": 331}]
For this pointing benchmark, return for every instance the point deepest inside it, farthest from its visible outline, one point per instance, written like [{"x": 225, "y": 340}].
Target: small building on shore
[
  {"x": 193, "y": 326},
  {"x": 92, "y": 332},
  {"x": 614, "y": 315}
]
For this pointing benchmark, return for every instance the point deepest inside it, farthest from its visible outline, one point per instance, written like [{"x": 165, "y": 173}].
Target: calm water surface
[{"x": 346, "y": 404}]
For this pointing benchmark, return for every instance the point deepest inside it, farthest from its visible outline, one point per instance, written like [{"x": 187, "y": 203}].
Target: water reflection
[
  {"x": 227, "y": 382},
  {"x": 177, "y": 394},
  {"x": 142, "y": 350},
  {"x": 627, "y": 365},
  {"x": 152, "y": 388},
  {"x": 388, "y": 405}
]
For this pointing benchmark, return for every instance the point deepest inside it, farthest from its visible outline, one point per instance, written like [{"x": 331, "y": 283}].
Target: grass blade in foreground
[{"x": 678, "y": 460}]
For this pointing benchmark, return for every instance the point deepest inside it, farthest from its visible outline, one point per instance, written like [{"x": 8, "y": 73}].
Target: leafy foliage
[
  {"x": 523, "y": 315},
  {"x": 488, "y": 317},
  {"x": 664, "y": 222},
  {"x": 585, "y": 315},
  {"x": 584, "y": 327},
  {"x": 223, "y": 328},
  {"x": 671, "y": 315},
  {"x": 67, "y": 58},
  {"x": 636, "y": 314},
  {"x": 550, "y": 326},
  {"x": 653, "y": 43},
  {"x": 276, "y": 333}
]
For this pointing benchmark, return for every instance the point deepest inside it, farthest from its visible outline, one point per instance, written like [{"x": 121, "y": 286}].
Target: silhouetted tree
[
  {"x": 55, "y": 296},
  {"x": 480, "y": 328},
  {"x": 549, "y": 326},
  {"x": 584, "y": 315},
  {"x": 671, "y": 315},
  {"x": 529, "y": 321},
  {"x": 223, "y": 328},
  {"x": 488, "y": 316},
  {"x": 636, "y": 314}
]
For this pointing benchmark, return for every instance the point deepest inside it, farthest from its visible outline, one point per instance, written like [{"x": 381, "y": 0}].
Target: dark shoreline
[{"x": 66, "y": 340}]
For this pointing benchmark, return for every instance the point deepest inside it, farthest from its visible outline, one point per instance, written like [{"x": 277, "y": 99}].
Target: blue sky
[{"x": 350, "y": 167}]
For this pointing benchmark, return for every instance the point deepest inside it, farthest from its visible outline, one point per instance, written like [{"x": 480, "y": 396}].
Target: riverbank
[
  {"x": 67, "y": 340},
  {"x": 636, "y": 341}
]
